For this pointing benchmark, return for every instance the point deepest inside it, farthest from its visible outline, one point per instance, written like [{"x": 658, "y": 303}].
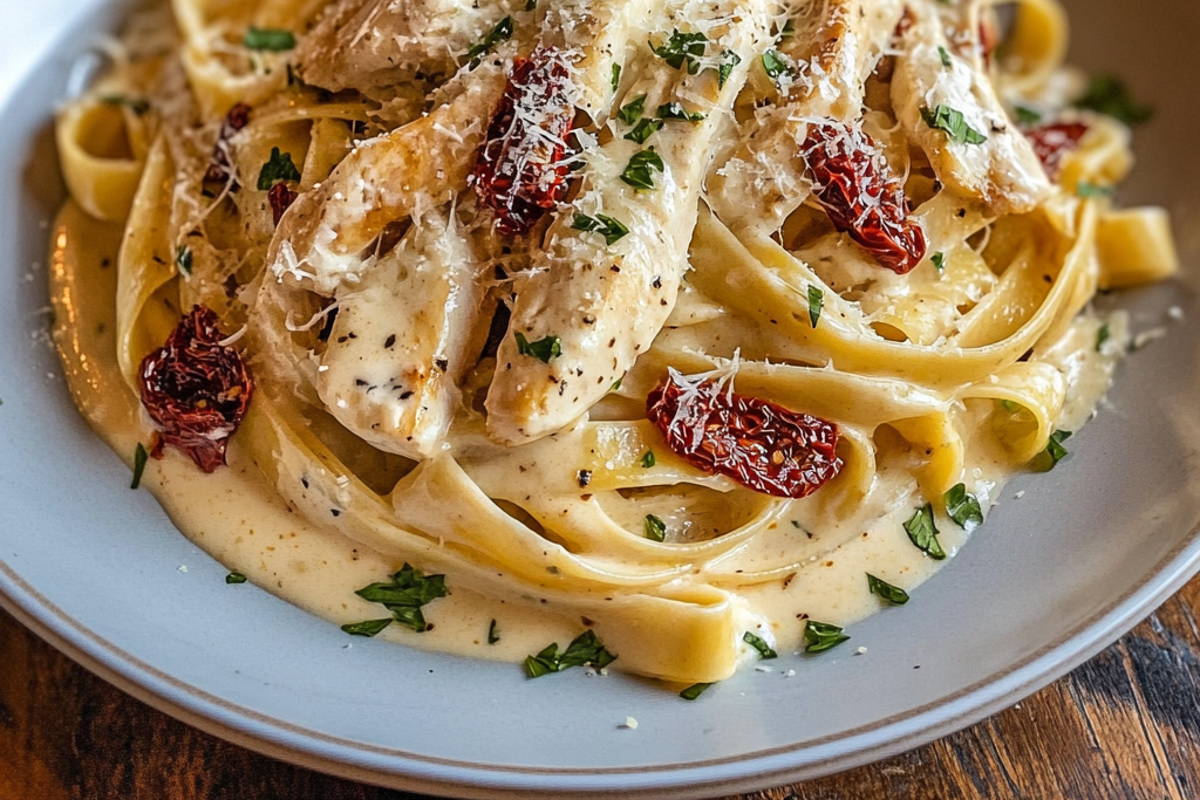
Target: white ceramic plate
[{"x": 1050, "y": 580}]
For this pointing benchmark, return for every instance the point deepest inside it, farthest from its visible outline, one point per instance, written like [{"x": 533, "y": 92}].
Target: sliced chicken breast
[
  {"x": 594, "y": 299},
  {"x": 398, "y": 347},
  {"x": 948, "y": 106}
]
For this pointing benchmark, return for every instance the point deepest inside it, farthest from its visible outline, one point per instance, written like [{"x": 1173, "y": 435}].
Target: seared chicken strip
[
  {"x": 992, "y": 161},
  {"x": 597, "y": 39},
  {"x": 595, "y": 298},
  {"x": 404, "y": 317},
  {"x": 324, "y": 236},
  {"x": 399, "y": 344},
  {"x": 834, "y": 48},
  {"x": 375, "y": 45}
]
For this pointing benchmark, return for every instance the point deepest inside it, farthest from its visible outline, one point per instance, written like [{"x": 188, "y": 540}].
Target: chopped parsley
[
  {"x": 235, "y": 578},
  {"x": 543, "y": 349},
  {"x": 816, "y": 301},
  {"x": 183, "y": 259},
  {"x": 493, "y": 636},
  {"x": 616, "y": 76},
  {"x": 729, "y": 60},
  {"x": 371, "y": 627},
  {"x": 923, "y": 532},
  {"x": 821, "y": 636},
  {"x": 1055, "y": 452},
  {"x": 682, "y": 50},
  {"x": 501, "y": 33},
  {"x": 694, "y": 691},
  {"x": 279, "y": 167},
  {"x": 611, "y": 229},
  {"x": 640, "y": 172},
  {"x": 404, "y": 595},
  {"x": 137, "y": 105},
  {"x": 1108, "y": 95},
  {"x": 677, "y": 111},
  {"x": 584, "y": 649},
  {"x": 648, "y": 460},
  {"x": 758, "y": 644},
  {"x": 963, "y": 507},
  {"x": 1102, "y": 336},
  {"x": 945, "y": 56},
  {"x": 1088, "y": 190},
  {"x": 654, "y": 528},
  {"x": 139, "y": 465},
  {"x": 644, "y": 129},
  {"x": 774, "y": 65},
  {"x": 631, "y": 112},
  {"x": 939, "y": 261},
  {"x": 892, "y": 594},
  {"x": 951, "y": 122},
  {"x": 1027, "y": 115},
  {"x": 275, "y": 40}
]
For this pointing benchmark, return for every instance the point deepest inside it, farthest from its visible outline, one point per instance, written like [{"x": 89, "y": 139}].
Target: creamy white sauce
[{"x": 234, "y": 514}]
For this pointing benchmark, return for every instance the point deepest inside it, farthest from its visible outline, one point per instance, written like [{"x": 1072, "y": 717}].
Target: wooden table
[{"x": 1124, "y": 725}]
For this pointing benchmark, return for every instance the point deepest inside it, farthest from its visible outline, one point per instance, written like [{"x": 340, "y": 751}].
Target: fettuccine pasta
[{"x": 700, "y": 328}]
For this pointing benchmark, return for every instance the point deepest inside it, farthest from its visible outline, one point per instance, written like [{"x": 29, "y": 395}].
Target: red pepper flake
[
  {"x": 219, "y": 165},
  {"x": 280, "y": 197},
  {"x": 1052, "y": 143},
  {"x": 906, "y": 23},
  {"x": 855, "y": 185},
  {"x": 521, "y": 173},
  {"x": 989, "y": 39},
  {"x": 759, "y": 444},
  {"x": 196, "y": 390}
]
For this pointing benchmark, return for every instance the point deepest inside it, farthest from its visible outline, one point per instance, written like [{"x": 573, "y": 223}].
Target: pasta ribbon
[
  {"x": 102, "y": 160},
  {"x": 470, "y": 252},
  {"x": 147, "y": 292}
]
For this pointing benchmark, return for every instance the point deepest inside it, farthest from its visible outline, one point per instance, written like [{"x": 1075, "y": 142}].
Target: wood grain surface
[{"x": 1124, "y": 725}]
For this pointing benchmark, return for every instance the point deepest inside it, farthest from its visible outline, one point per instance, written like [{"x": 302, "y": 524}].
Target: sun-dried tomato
[
  {"x": 759, "y": 444},
  {"x": 196, "y": 390},
  {"x": 857, "y": 188},
  {"x": 1052, "y": 143},
  {"x": 280, "y": 197},
  {"x": 219, "y": 165},
  {"x": 521, "y": 171}
]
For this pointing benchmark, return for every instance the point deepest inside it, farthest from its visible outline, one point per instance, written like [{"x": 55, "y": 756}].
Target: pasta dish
[{"x": 660, "y": 333}]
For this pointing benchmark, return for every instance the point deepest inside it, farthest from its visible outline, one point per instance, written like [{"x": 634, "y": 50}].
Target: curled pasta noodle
[
  {"x": 471, "y": 254},
  {"x": 1035, "y": 47},
  {"x": 102, "y": 158},
  {"x": 147, "y": 288}
]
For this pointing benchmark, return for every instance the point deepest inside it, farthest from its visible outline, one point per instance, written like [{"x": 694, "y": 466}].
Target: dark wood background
[{"x": 1124, "y": 725}]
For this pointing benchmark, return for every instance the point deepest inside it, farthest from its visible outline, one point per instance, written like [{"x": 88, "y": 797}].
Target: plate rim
[
  {"x": 416, "y": 772},
  {"x": 395, "y": 768}
]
